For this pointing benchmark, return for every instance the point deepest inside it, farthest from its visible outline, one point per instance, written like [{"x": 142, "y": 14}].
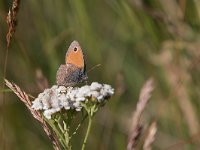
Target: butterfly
[{"x": 74, "y": 69}]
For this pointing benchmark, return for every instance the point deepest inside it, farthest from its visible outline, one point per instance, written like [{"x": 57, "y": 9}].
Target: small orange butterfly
[{"x": 74, "y": 71}]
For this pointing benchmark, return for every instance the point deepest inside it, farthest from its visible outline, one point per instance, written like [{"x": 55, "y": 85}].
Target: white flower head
[
  {"x": 54, "y": 99},
  {"x": 95, "y": 86},
  {"x": 37, "y": 104}
]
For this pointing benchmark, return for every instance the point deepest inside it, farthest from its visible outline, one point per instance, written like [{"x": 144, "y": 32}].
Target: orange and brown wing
[{"x": 75, "y": 55}]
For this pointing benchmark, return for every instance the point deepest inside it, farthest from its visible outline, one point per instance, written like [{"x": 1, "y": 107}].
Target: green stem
[
  {"x": 60, "y": 136},
  {"x": 66, "y": 135},
  {"x": 87, "y": 133},
  {"x": 65, "y": 132},
  {"x": 79, "y": 125}
]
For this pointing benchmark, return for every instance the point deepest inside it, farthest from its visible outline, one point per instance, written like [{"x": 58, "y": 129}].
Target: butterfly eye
[{"x": 75, "y": 49}]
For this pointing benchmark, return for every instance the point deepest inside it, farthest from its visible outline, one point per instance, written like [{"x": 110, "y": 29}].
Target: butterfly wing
[
  {"x": 73, "y": 71},
  {"x": 70, "y": 75}
]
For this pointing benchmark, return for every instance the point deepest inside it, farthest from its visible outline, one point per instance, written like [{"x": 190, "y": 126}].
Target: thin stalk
[
  {"x": 60, "y": 127},
  {"x": 66, "y": 135},
  {"x": 60, "y": 136},
  {"x": 79, "y": 125},
  {"x": 87, "y": 133},
  {"x": 64, "y": 132},
  {"x": 66, "y": 127}
]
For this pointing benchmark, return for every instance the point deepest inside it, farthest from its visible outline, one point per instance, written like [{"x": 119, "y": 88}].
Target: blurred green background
[{"x": 132, "y": 40}]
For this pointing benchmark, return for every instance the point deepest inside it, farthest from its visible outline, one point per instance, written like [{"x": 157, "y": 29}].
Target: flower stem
[
  {"x": 57, "y": 131},
  {"x": 79, "y": 125},
  {"x": 87, "y": 133},
  {"x": 66, "y": 135}
]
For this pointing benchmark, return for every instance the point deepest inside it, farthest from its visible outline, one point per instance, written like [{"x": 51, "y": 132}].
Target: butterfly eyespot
[{"x": 75, "y": 49}]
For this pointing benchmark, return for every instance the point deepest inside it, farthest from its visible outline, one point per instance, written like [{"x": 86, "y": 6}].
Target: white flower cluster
[{"x": 59, "y": 97}]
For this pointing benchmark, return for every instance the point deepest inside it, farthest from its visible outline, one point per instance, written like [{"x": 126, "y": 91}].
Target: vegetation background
[{"x": 132, "y": 40}]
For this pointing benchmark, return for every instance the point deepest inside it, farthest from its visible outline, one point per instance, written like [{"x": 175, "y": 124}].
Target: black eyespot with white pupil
[{"x": 75, "y": 49}]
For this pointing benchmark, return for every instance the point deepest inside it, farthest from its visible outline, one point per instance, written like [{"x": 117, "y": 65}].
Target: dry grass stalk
[
  {"x": 12, "y": 20},
  {"x": 150, "y": 137},
  {"x": 179, "y": 80},
  {"x": 136, "y": 127},
  {"x": 36, "y": 114},
  {"x": 41, "y": 80}
]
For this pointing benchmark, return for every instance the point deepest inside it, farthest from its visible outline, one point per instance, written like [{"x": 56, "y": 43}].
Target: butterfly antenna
[{"x": 98, "y": 65}]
